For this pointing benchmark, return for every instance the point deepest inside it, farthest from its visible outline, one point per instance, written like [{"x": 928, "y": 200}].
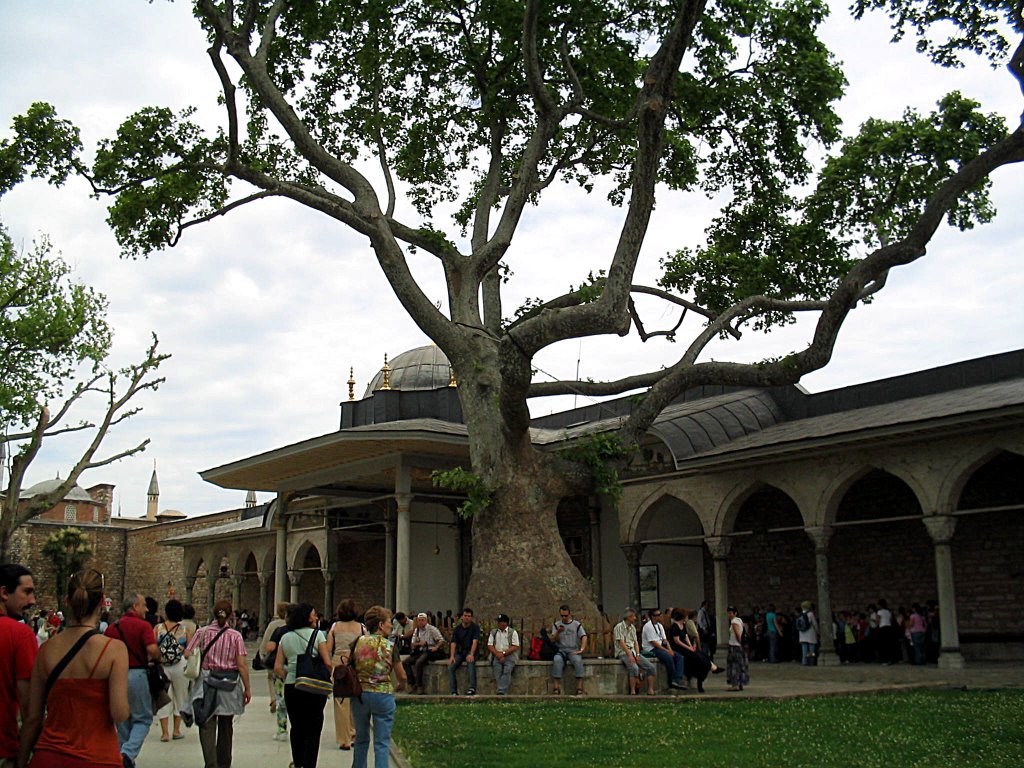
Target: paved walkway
[{"x": 256, "y": 748}]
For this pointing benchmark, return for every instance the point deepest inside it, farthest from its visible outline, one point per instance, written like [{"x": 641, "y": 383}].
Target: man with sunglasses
[{"x": 571, "y": 639}]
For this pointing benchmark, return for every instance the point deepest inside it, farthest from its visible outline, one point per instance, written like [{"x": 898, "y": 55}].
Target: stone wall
[
  {"x": 108, "y": 546},
  {"x": 157, "y": 570},
  {"x": 604, "y": 677}
]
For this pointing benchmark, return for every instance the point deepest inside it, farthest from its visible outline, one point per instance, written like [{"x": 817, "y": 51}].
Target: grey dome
[
  {"x": 75, "y": 494},
  {"x": 421, "y": 368}
]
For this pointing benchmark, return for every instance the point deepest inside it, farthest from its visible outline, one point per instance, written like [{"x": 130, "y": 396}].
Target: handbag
[
  {"x": 157, "y": 679},
  {"x": 257, "y": 662},
  {"x": 346, "y": 679},
  {"x": 222, "y": 679},
  {"x": 192, "y": 666},
  {"x": 311, "y": 674}
]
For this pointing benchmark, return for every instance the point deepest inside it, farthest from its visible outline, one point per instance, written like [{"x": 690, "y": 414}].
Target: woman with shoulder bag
[
  {"x": 222, "y": 689},
  {"x": 375, "y": 660},
  {"x": 88, "y": 692},
  {"x": 172, "y": 638},
  {"x": 343, "y": 633},
  {"x": 305, "y": 710}
]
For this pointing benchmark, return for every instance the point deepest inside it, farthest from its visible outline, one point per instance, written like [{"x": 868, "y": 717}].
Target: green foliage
[
  {"x": 478, "y": 497},
  {"x": 49, "y": 326},
  {"x": 599, "y": 453},
  {"x": 772, "y": 243},
  {"x": 947, "y": 28},
  {"x": 43, "y": 146},
  {"x": 918, "y": 728},
  {"x": 166, "y": 173},
  {"x": 68, "y": 550}
]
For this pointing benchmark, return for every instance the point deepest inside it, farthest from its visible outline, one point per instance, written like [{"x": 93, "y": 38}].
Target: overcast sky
[{"x": 265, "y": 311}]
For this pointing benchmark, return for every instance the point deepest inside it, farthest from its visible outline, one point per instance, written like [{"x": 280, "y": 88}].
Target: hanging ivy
[
  {"x": 600, "y": 453},
  {"x": 478, "y": 498}
]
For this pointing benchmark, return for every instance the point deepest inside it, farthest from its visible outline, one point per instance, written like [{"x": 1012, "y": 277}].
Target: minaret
[
  {"x": 250, "y": 499},
  {"x": 152, "y": 496}
]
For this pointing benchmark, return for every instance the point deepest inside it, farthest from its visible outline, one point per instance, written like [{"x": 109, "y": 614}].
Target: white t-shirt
[
  {"x": 654, "y": 635},
  {"x": 733, "y": 640},
  {"x": 884, "y": 617}
]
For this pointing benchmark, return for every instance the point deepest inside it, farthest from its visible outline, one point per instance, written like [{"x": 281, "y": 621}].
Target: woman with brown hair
[
  {"x": 222, "y": 689},
  {"x": 172, "y": 636},
  {"x": 88, "y": 695},
  {"x": 345, "y": 631}
]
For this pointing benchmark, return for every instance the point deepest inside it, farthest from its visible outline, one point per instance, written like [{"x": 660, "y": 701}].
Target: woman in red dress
[{"x": 88, "y": 697}]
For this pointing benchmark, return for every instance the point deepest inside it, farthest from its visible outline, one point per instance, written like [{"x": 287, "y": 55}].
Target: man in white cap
[{"x": 427, "y": 645}]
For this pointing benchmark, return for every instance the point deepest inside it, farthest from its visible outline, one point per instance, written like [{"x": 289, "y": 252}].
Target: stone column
[
  {"x": 633, "y": 553},
  {"x": 190, "y": 584},
  {"x": 389, "y": 560},
  {"x": 595, "y": 553},
  {"x": 940, "y": 528},
  {"x": 719, "y": 547},
  {"x": 821, "y": 535},
  {"x": 328, "y": 575},
  {"x": 264, "y": 606},
  {"x": 281, "y": 550},
  {"x": 403, "y": 531},
  {"x": 211, "y": 596},
  {"x": 236, "y": 592},
  {"x": 294, "y": 577}
]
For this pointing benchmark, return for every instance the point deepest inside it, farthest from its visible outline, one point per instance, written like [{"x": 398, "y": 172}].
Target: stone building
[
  {"x": 908, "y": 488},
  {"x": 124, "y": 548}
]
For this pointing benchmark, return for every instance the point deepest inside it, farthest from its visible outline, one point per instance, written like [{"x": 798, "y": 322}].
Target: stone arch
[
  {"x": 990, "y": 492},
  {"x": 733, "y": 501},
  {"x": 837, "y": 490},
  {"x": 301, "y": 552},
  {"x": 771, "y": 557},
  {"x": 308, "y": 566},
  {"x": 672, "y": 535},
  {"x": 879, "y": 546},
  {"x": 966, "y": 471},
  {"x": 636, "y": 529}
]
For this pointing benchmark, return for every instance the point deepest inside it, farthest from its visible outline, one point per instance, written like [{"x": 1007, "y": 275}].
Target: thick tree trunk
[{"x": 520, "y": 565}]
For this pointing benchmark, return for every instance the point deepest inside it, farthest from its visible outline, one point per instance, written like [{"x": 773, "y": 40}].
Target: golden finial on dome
[
  {"x": 386, "y": 370},
  {"x": 351, "y": 383},
  {"x": 454, "y": 382}
]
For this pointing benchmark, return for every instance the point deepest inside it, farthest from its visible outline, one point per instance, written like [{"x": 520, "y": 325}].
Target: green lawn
[{"x": 949, "y": 729}]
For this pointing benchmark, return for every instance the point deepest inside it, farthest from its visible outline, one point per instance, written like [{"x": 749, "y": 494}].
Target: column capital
[
  {"x": 719, "y": 546},
  {"x": 820, "y": 535},
  {"x": 403, "y": 500},
  {"x": 940, "y": 527},
  {"x": 237, "y": 580},
  {"x": 633, "y": 553},
  {"x": 294, "y": 578}
]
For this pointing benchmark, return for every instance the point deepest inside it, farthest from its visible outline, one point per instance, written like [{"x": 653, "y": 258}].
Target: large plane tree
[{"x": 476, "y": 110}]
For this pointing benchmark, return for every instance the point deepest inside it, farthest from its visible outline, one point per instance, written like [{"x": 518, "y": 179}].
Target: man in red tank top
[{"x": 18, "y": 648}]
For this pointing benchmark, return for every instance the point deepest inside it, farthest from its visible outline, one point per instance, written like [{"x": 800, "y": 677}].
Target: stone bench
[{"x": 604, "y": 677}]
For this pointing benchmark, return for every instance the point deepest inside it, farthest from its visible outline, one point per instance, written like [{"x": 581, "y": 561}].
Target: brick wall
[{"x": 108, "y": 547}]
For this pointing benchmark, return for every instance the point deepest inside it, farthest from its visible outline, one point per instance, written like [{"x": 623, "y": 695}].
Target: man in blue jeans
[
  {"x": 656, "y": 642},
  {"x": 571, "y": 638},
  {"x": 464, "y": 645},
  {"x": 137, "y": 634}
]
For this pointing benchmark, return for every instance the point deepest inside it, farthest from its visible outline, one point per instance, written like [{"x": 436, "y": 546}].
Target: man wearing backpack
[{"x": 503, "y": 643}]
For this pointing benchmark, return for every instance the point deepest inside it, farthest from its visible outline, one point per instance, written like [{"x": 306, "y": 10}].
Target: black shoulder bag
[{"x": 155, "y": 675}]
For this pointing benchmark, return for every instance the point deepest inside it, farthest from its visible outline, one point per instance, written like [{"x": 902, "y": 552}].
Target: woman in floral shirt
[{"x": 374, "y": 661}]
